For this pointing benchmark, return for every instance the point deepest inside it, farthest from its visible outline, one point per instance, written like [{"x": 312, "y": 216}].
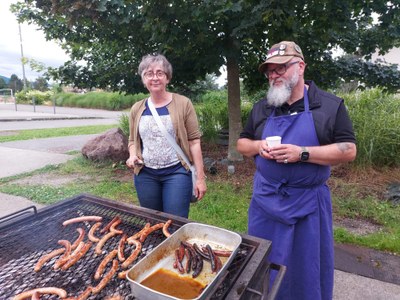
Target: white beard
[{"x": 278, "y": 95}]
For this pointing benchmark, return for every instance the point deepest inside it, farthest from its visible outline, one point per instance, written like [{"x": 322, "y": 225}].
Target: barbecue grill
[{"x": 27, "y": 235}]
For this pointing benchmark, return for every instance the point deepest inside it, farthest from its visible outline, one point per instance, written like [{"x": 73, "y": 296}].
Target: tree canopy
[{"x": 199, "y": 36}]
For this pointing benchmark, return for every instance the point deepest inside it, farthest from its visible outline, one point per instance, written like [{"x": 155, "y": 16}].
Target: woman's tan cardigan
[{"x": 184, "y": 120}]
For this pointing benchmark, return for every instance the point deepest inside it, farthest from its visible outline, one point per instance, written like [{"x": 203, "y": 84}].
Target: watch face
[{"x": 304, "y": 156}]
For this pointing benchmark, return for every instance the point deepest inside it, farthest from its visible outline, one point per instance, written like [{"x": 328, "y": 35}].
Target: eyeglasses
[
  {"x": 158, "y": 74},
  {"x": 280, "y": 70}
]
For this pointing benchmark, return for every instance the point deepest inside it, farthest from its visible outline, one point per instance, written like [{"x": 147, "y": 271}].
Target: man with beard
[{"x": 291, "y": 203}]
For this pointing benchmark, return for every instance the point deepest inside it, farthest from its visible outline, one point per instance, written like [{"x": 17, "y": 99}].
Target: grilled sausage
[
  {"x": 47, "y": 257},
  {"x": 92, "y": 230},
  {"x": 149, "y": 230},
  {"x": 121, "y": 247},
  {"x": 165, "y": 228},
  {"x": 80, "y": 238},
  {"x": 188, "y": 260},
  {"x": 133, "y": 255},
  {"x": 122, "y": 275},
  {"x": 110, "y": 256},
  {"x": 192, "y": 252},
  {"x": 76, "y": 251},
  {"x": 199, "y": 266},
  {"x": 181, "y": 252},
  {"x": 107, "y": 277},
  {"x": 64, "y": 258},
  {"x": 102, "y": 241},
  {"x": 200, "y": 252},
  {"x": 83, "y": 296},
  {"x": 82, "y": 219},
  {"x": 78, "y": 256},
  {"x": 108, "y": 226},
  {"x": 45, "y": 290},
  {"x": 138, "y": 234},
  {"x": 115, "y": 224},
  {"x": 179, "y": 262},
  {"x": 212, "y": 259},
  {"x": 223, "y": 253}
]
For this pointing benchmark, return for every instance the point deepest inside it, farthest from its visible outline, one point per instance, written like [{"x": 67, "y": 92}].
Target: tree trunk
[{"x": 234, "y": 111}]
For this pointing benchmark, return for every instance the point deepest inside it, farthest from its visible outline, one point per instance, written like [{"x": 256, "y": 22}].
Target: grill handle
[
  {"x": 18, "y": 214},
  {"x": 266, "y": 293}
]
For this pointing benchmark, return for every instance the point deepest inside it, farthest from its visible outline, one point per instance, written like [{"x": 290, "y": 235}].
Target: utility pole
[{"x": 22, "y": 56}]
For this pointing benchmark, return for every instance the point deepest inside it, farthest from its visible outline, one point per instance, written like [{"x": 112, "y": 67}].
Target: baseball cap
[{"x": 281, "y": 53}]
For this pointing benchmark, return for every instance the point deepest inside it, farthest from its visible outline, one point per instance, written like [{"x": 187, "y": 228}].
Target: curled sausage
[
  {"x": 108, "y": 226},
  {"x": 102, "y": 241},
  {"x": 165, "y": 228},
  {"x": 107, "y": 277},
  {"x": 138, "y": 234},
  {"x": 134, "y": 254},
  {"x": 110, "y": 256},
  {"x": 44, "y": 290},
  {"x": 81, "y": 232},
  {"x": 121, "y": 247},
  {"x": 149, "y": 230},
  {"x": 82, "y": 219},
  {"x": 115, "y": 224},
  {"x": 92, "y": 230},
  {"x": 78, "y": 256},
  {"x": 47, "y": 257},
  {"x": 64, "y": 258}
]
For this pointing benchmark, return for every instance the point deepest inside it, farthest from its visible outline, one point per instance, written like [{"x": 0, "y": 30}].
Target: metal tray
[{"x": 163, "y": 257}]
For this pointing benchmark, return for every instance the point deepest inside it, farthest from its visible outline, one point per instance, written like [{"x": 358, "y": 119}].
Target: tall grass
[
  {"x": 100, "y": 100},
  {"x": 376, "y": 121},
  {"x": 375, "y": 115},
  {"x": 212, "y": 112}
]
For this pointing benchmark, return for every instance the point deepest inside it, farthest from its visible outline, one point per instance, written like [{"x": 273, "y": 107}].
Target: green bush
[
  {"x": 376, "y": 118},
  {"x": 100, "y": 100},
  {"x": 213, "y": 114},
  {"x": 28, "y": 96},
  {"x": 124, "y": 123}
]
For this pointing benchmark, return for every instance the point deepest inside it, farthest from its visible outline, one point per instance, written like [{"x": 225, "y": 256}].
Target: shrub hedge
[{"x": 375, "y": 115}]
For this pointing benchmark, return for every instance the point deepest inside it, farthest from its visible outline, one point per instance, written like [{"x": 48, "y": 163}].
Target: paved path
[{"x": 356, "y": 270}]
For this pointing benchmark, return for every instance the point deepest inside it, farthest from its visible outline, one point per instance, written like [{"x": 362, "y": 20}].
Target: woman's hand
[
  {"x": 200, "y": 188},
  {"x": 133, "y": 161}
]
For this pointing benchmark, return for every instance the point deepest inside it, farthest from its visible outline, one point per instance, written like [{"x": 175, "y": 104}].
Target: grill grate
[{"x": 22, "y": 245}]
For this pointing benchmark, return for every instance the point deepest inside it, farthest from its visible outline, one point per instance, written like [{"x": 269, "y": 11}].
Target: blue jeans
[{"x": 167, "y": 193}]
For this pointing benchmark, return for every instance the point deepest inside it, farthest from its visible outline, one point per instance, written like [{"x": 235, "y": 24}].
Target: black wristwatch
[{"x": 304, "y": 154}]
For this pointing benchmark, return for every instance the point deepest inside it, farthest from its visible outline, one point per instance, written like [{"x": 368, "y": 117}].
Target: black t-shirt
[{"x": 331, "y": 119}]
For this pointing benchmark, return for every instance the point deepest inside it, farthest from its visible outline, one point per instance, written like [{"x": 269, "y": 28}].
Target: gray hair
[{"x": 150, "y": 59}]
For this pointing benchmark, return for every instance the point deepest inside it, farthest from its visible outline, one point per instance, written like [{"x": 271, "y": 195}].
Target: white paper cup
[{"x": 273, "y": 141}]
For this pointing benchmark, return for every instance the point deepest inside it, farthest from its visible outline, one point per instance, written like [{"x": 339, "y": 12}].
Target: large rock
[{"x": 111, "y": 145}]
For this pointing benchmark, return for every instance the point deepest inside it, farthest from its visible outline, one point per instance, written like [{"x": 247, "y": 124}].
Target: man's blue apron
[{"x": 291, "y": 206}]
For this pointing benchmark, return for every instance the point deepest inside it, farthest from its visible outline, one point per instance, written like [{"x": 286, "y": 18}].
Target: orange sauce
[{"x": 170, "y": 283}]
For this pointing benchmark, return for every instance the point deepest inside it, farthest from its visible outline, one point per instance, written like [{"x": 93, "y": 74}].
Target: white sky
[{"x": 34, "y": 46}]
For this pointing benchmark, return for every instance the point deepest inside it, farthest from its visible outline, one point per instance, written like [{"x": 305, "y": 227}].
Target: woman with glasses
[{"x": 162, "y": 178}]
